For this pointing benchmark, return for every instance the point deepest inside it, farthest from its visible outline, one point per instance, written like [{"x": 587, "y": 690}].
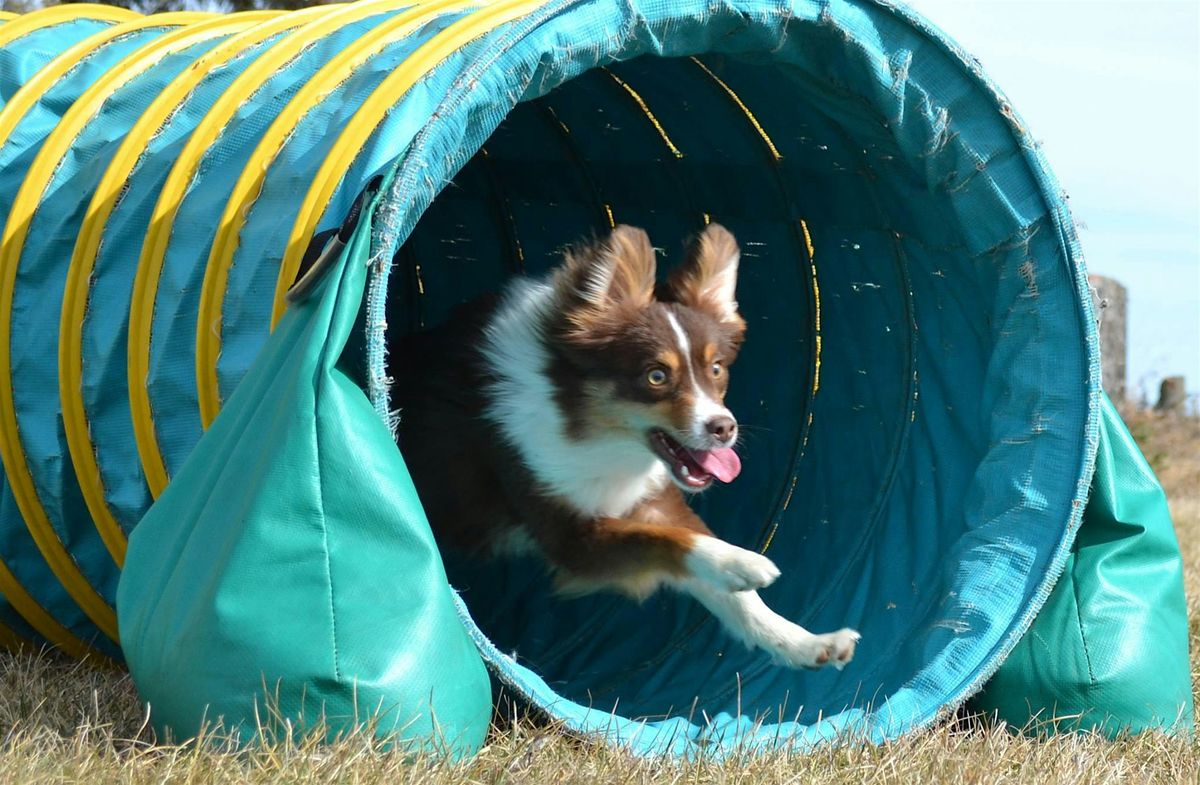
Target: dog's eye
[
  {"x": 717, "y": 369},
  {"x": 657, "y": 377}
]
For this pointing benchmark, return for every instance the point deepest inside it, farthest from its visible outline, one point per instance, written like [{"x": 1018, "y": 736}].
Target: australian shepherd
[{"x": 572, "y": 415}]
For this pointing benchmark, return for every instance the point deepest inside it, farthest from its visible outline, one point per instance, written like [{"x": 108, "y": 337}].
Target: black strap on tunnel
[{"x": 327, "y": 246}]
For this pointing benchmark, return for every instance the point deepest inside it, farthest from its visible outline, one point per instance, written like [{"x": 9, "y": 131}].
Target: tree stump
[
  {"x": 1109, "y": 298},
  {"x": 1172, "y": 395}
]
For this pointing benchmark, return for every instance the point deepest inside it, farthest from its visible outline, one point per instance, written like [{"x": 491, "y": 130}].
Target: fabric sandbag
[
  {"x": 1109, "y": 649},
  {"x": 288, "y": 571}
]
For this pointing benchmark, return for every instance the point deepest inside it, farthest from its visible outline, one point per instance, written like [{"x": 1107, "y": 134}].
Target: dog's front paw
[
  {"x": 728, "y": 567},
  {"x": 816, "y": 651}
]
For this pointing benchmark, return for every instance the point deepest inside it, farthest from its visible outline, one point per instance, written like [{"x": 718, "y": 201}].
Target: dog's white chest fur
[{"x": 603, "y": 476}]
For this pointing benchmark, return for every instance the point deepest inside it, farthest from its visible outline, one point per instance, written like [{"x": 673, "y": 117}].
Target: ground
[{"x": 66, "y": 722}]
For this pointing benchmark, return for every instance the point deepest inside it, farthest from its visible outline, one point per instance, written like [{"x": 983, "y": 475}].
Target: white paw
[
  {"x": 801, "y": 649},
  {"x": 728, "y": 567}
]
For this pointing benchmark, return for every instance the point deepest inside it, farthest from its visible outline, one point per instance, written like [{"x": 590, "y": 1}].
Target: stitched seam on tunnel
[
  {"x": 674, "y": 163},
  {"x": 503, "y": 215},
  {"x": 319, "y": 378},
  {"x": 564, "y": 133}
]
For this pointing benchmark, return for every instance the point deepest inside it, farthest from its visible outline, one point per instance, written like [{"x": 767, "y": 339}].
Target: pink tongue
[{"x": 722, "y": 463}]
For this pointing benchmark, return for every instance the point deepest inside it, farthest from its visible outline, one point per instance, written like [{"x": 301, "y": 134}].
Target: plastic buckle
[{"x": 326, "y": 247}]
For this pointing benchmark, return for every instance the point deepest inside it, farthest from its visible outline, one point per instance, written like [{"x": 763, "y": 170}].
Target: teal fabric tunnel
[{"x": 920, "y": 382}]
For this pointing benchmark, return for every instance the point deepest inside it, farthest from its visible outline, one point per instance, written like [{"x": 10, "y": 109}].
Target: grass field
[{"x": 65, "y": 722}]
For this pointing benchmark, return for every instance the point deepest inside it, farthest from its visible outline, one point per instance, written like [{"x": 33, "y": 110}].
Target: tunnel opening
[{"x": 860, "y": 300}]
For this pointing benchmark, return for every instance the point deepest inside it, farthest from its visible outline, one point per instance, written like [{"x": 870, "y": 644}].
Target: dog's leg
[
  {"x": 747, "y": 617},
  {"x": 728, "y": 567},
  {"x": 637, "y": 557}
]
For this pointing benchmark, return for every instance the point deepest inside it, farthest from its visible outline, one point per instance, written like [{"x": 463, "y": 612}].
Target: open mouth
[{"x": 695, "y": 470}]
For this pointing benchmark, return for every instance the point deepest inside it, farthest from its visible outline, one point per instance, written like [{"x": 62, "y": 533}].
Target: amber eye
[
  {"x": 657, "y": 377},
  {"x": 717, "y": 369}
]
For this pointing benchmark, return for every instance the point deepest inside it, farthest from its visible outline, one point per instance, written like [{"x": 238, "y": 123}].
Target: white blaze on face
[{"x": 705, "y": 408}]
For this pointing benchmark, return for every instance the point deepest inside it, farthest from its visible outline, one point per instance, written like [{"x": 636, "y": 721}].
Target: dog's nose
[{"x": 722, "y": 427}]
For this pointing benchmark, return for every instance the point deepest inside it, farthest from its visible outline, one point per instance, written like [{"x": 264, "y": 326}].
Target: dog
[{"x": 571, "y": 415}]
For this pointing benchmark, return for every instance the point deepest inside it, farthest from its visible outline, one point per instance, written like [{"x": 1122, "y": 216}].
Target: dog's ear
[
  {"x": 607, "y": 278},
  {"x": 707, "y": 279}
]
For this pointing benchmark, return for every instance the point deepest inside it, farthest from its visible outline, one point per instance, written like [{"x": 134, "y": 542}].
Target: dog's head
[{"x": 651, "y": 361}]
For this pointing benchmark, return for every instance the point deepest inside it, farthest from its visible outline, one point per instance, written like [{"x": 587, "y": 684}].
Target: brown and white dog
[{"x": 572, "y": 414}]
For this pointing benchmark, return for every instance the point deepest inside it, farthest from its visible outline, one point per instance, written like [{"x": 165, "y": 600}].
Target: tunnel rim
[{"x": 395, "y": 231}]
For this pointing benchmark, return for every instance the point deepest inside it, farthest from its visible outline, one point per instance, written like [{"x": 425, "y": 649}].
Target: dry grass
[{"x": 65, "y": 722}]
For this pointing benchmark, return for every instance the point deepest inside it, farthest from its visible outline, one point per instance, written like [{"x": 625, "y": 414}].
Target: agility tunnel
[{"x": 190, "y": 440}]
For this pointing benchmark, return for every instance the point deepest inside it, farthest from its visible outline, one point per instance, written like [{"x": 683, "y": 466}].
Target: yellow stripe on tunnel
[
  {"x": 150, "y": 263},
  {"x": 250, "y": 182},
  {"x": 83, "y": 261},
  {"x": 356, "y": 133},
  {"x": 11, "y": 115},
  {"x": 28, "y": 198},
  {"x": 40, "y": 619},
  {"x": 31, "y": 92}
]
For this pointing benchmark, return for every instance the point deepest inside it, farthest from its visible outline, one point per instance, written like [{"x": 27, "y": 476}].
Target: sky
[{"x": 1112, "y": 91}]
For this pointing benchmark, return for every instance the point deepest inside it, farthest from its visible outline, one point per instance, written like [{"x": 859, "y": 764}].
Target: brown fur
[
  {"x": 603, "y": 284},
  {"x": 472, "y": 395},
  {"x": 631, "y": 554},
  {"x": 697, "y": 283},
  {"x": 607, "y": 325}
]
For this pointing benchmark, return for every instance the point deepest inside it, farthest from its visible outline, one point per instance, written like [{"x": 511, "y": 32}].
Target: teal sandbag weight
[
  {"x": 1109, "y": 649},
  {"x": 288, "y": 569}
]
